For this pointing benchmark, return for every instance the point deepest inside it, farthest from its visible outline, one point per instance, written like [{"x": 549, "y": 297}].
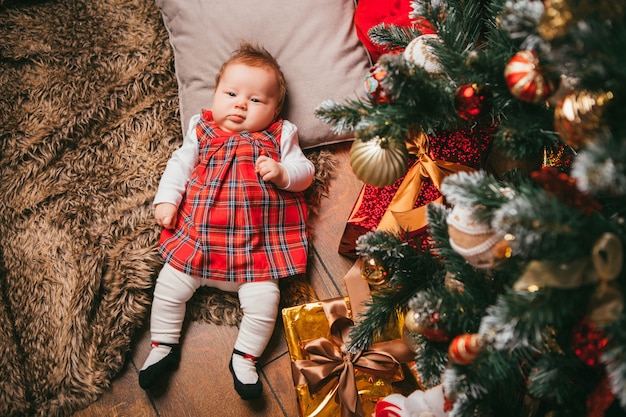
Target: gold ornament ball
[
  {"x": 560, "y": 15},
  {"x": 557, "y": 18},
  {"x": 379, "y": 161},
  {"x": 374, "y": 272},
  {"x": 414, "y": 323},
  {"x": 409, "y": 340},
  {"x": 578, "y": 117}
]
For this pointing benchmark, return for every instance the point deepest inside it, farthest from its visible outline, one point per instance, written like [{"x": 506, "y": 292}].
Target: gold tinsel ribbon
[
  {"x": 401, "y": 214},
  {"x": 603, "y": 265},
  {"x": 328, "y": 358}
]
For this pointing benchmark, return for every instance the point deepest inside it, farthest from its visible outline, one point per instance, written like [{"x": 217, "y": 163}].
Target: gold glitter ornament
[
  {"x": 578, "y": 117},
  {"x": 556, "y": 19},
  {"x": 409, "y": 340},
  {"x": 379, "y": 161},
  {"x": 560, "y": 15},
  {"x": 414, "y": 322},
  {"x": 374, "y": 272}
]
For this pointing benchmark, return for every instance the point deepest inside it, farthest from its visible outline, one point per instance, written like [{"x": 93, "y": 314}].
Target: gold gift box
[{"x": 307, "y": 322}]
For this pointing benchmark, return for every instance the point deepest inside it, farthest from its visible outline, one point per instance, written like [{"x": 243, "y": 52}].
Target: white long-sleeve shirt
[{"x": 300, "y": 169}]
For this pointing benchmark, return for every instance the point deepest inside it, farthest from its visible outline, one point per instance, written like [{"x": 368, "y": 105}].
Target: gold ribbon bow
[
  {"x": 328, "y": 359},
  {"x": 401, "y": 214}
]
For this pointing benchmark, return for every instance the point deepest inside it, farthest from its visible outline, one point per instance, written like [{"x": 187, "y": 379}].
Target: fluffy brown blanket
[{"x": 88, "y": 119}]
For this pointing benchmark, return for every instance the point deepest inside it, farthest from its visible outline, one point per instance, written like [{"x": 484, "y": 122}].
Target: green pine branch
[
  {"x": 412, "y": 271},
  {"x": 392, "y": 36}
]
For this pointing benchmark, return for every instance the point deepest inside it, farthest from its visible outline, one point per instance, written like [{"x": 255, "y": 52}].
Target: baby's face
[{"x": 246, "y": 99}]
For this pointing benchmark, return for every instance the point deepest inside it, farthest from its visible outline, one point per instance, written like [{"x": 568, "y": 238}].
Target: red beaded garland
[
  {"x": 434, "y": 329},
  {"x": 588, "y": 342},
  {"x": 558, "y": 183}
]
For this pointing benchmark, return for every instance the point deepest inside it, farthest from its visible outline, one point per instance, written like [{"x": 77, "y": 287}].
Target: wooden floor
[{"x": 203, "y": 386}]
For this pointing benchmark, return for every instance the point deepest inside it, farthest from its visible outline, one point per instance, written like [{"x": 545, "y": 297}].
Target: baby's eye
[
  {"x": 230, "y": 93},
  {"x": 255, "y": 100}
]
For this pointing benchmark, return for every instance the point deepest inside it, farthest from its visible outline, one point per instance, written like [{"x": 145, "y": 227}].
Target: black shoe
[
  {"x": 154, "y": 372},
  {"x": 245, "y": 391}
]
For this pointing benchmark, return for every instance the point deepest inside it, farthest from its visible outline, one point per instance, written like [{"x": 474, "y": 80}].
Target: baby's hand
[
  {"x": 271, "y": 170},
  {"x": 165, "y": 215}
]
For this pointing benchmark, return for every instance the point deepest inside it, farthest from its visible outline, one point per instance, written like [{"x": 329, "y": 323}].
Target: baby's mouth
[{"x": 236, "y": 117}]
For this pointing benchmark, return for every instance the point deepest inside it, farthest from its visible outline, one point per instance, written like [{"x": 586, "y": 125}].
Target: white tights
[{"x": 259, "y": 304}]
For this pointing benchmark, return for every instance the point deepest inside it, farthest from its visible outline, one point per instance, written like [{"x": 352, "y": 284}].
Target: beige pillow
[{"x": 314, "y": 42}]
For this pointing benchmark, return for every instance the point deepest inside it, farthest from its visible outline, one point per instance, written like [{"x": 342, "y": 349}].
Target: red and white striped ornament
[
  {"x": 465, "y": 348},
  {"x": 390, "y": 406},
  {"x": 524, "y": 78}
]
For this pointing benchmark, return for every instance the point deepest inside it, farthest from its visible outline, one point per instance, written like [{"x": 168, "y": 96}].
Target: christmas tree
[{"x": 513, "y": 300}]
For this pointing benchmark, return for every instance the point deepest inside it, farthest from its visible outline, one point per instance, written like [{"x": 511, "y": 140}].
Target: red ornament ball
[
  {"x": 436, "y": 334},
  {"x": 470, "y": 100},
  {"x": 464, "y": 349},
  {"x": 428, "y": 325},
  {"x": 434, "y": 329},
  {"x": 525, "y": 80},
  {"x": 373, "y": 85},
  {"x": 588, "y": 342}
]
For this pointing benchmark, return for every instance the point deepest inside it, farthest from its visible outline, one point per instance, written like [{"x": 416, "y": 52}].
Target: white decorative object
[
  {"x": 429, "y": 403},
  {"x": 419, "y": 52},
  {"x": 472, "y": 239}
]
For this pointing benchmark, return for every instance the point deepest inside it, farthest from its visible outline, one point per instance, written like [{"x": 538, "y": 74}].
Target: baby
[{"x": 233, "y": 214}]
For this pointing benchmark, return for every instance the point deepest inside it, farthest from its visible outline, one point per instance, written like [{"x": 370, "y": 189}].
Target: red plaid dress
[{"x": 232, "y": 225}]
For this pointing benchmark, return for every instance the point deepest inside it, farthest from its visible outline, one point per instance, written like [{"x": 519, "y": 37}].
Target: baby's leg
[
  {"x": 259, "y": 304},
  {"x": 172, "y": 291}
]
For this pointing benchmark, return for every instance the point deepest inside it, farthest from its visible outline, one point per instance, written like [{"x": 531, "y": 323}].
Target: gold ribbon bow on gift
[
  {"x": 401, "y": 214},
  {"x": 328, "y": 359}
]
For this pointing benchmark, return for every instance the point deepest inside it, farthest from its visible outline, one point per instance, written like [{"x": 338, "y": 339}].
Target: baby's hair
[{"x": 256, "y": 56}]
